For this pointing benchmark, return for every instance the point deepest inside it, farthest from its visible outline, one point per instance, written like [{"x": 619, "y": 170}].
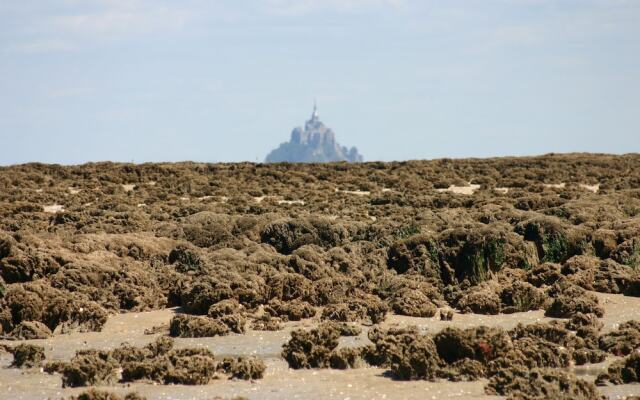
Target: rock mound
[{"x": 313, "y": 144}]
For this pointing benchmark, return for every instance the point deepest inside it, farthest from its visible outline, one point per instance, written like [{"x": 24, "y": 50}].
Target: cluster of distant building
[{"x": 315, "y": 143}]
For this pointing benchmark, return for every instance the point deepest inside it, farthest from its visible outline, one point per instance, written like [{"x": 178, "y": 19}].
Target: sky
[{"x": 227, "y": 80}]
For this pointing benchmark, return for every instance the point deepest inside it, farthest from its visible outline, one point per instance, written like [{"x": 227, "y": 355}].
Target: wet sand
[{"x": 280, "y": 381}]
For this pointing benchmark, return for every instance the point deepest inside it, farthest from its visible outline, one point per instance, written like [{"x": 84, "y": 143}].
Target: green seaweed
[
  {"x": 633, "y": 260},
  {"x": 477, "y": 260},
  {"x": 555, "y": 247},
  {"x": 408, "y": 231}
]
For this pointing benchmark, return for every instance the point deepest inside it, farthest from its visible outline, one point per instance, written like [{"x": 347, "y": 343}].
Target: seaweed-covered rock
[
  {"x": 521, "y": 296},
  {"x": 288, "y": 286},
  {"x": 198, "y": 297},
  {"x": 266, "y": 323},
  {"x": 622, "y": 371},
  {"x": 22, "y": 267},
  {"x": 580, "y": 320},
  {"x": 7, "y": 244},
  {"x": 183, "y": 366},
  {"x": 588, "y": 356},
  {"x": 331, "y": 291},
  {"x": 481, "y": 343},
  {"x": 159, "y": 362},
  {"x": 311, "y": 349},
  {"x": 553, "y": 332},
  {"x": 446, "y": 315},
  {"x": 190, "y": 367},
  {"x": 294, "y": 310},
  {"x": 27, "y": 355},
  {"x": 475, "y": 254},
  {"x": 591, "y": 273},
  {"x": 554, "y": 241},
  {"x": 540, "y": 383},
  {"x": 288, "y": 235},
  {"x": 409, "y": 354},
  {"x": 569, "y": 299},
  {"x": 90, "y": 368},
  {"x": 552, "y": 345},
  {"x": 604, "y": 242},
  {"x": 346, "y": 357},
  {"x": 27, "y": 330},
  {"x": 544, "y": 274},
  {"x": 622, "y": 341},
  {"x": 93, "y": 394},
  {"x": 224, "y": 308},
  {"x": 532, "y": 352},
  {"x": 346, "y": 329},
  {"x": 235, "y": 323},
  {"x": 628, "y": 253},
  {"x": 480, "y": 299},
  {"x": 183, "y": 325},
  {"x": 247, "y": 368},
  {"x": 465, "y": 369},
  {"x": 60, "y": 311},
  {"x": 185, "y": 259},
  {"x": 413, "y": 303},
  {"x": 419, "y": 254},
  {"x": 367, "y": 309},
  {"x": 154, "y": 369},
  {"x": 160, "y": 347}
]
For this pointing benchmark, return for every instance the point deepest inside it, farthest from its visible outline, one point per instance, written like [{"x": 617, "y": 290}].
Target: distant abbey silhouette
[{"x": 316, "y": 143}]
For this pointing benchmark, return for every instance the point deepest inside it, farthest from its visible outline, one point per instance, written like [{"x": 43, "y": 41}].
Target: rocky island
[{"x": 313, "y": 144}]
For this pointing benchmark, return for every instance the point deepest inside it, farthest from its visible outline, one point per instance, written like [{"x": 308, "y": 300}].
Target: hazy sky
[{"x": 227, "y": 80}]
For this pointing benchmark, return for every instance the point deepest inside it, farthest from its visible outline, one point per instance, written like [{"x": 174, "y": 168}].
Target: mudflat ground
[{"x": 485, "y": 278}]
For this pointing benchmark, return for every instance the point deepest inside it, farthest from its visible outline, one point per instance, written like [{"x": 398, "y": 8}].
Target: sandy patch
[
  {"x": 357, "y": 192},
  {"x": 503, "y": 190},
  {"x": 555, "y": 185},
  {"x": 591, "y": 188},
  {"x": 128, "y": 187},
  {"x": 353, "y": 192},
  {"x": 221, "y": 199},
  {"x": 260, "y": 199},
  {"x": 54, "y": 208},
  {"x": 467, "y": 190},
  {"x": 290, "y": 202},
  {"x": 73, "y": 190}
]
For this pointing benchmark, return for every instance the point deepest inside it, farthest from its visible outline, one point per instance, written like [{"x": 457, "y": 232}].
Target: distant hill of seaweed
[{"x": 316, "y": 143}]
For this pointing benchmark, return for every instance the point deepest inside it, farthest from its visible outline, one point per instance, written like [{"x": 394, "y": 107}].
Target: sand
[
  {"x": 466, "y": 190},
  {"x": 280, "y": 381},
  {"x": 54, "y": 208}
]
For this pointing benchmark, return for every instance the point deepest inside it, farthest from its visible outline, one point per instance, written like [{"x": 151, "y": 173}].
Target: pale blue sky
[{"x": 227, "y": 80}]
